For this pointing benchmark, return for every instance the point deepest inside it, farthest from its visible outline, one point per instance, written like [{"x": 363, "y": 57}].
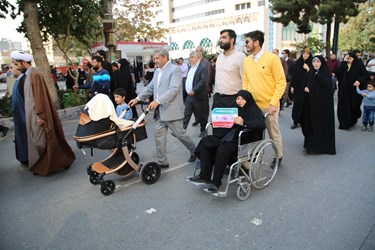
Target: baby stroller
[
  {"x": 256, "y": 165},
  {"x": 99, "y": 127}
]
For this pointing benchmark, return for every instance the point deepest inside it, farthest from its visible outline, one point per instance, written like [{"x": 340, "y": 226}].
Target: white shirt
[
  {"x": 190, "y": 77},
  {"x": 257, "y": 57}
]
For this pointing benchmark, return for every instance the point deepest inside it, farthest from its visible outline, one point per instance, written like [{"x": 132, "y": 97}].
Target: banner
[{"x": 223, "y": 117}]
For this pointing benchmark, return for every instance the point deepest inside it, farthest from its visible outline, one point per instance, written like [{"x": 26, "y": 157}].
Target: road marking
[{"x": 132, "y": 182}]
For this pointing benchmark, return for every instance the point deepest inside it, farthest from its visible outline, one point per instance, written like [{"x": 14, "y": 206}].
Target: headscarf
[
  {"x": 124, "y": 80},
  {"x": 250, "y": 112}
]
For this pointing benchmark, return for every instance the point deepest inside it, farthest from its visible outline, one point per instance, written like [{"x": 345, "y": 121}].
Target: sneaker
[
  {"x": 370, "y": 128},
  {"x": 195, "y": 124},
  {"x": 364, "y": 128},
  {"x": 192, "y": 158},
  {"x": 212, "y": 188},
  {"x": 197, "y": 179}
]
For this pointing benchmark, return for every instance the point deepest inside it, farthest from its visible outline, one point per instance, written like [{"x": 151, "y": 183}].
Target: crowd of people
[{"x": 260, "y": 83}]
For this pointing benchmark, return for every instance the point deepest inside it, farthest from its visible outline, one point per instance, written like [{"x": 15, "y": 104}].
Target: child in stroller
[{"x": 99, "y": 127}]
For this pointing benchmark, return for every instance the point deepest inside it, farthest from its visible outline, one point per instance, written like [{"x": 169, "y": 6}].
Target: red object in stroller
[{"x": 123, "y": 160}]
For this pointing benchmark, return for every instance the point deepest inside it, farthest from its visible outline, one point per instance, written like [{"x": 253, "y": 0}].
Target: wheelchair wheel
[
  {"x": 107, "y": 187},
  {"x": 262, "y": 165},
  {"x": 243, "y": 191},
  {"x": 150, "y": 173}
]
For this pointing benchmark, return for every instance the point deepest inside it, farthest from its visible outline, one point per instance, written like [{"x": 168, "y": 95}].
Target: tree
[
  {"x": 302, "y": 12},
  {"x": 314, "y": 43},
  {"x": 359, "y": 31},
  {"x": 134, "y": 20},
  {"x": 66, "y": 21}
]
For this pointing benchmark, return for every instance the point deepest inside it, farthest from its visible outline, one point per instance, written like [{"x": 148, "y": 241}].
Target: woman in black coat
[
  {"x": 297, "y": 83},
  {"x": 124, "y": 80},
  {"x": 351, "y": 70},
  {"x": 220, "y": 152},
  {"x": 317, "y": 117}
]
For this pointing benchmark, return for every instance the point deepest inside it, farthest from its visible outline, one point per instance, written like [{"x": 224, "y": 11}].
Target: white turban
[{"x": 21, "y": 56}]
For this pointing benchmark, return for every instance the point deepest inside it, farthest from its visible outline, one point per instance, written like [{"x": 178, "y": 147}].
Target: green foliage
[
  {"x": 302, "y": 12},
  {"x": 7, "y": 8},
  {"x": 314, "y": 43},
  {"x": 6, "y": 106},
  {"x": 359, "y": 31},
  {"x": 70, "y": 98},
  {"x": 134, "y": 20}
]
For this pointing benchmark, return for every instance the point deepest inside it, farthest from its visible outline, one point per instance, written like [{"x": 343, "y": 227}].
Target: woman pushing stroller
[{"x": 215, "y": 153}]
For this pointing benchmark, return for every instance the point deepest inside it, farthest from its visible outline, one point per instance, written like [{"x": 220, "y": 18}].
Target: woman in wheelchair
[{"x": 217, "y": 152}]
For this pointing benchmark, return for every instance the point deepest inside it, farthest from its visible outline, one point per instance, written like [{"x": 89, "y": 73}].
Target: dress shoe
[
  {"x": 192, "y": 158},
  {"x": 288, "y": 104},
  {"x": 274, "y": 162},
  {"x": 164, "y": 165},
  {"x": 195, "y": 124},
  {"x": 5, "y": 131},
  {"x": 202, "y": 134}
]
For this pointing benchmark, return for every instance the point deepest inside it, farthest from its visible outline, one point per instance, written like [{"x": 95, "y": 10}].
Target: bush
[
  {"x": 70, "y": 98},
  {"x": 6, "y": 106}
]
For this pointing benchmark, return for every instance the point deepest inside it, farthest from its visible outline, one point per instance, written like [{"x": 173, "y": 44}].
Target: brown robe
[{"x": 47, "y": 147}]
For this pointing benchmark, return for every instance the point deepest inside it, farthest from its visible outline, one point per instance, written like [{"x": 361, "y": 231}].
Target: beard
[
  {"x": 225, "y": 46},
  {"x": 95, "y": 68},
  {"x": 22, "y": 69}
]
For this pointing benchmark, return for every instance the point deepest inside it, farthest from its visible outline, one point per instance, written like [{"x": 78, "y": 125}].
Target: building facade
[{"x": 191, "y": 23}]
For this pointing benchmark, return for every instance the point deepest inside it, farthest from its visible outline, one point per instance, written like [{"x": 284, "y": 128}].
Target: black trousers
[
  {"x": 200, "y": 108},
  {"x": 220, "y": 157}
]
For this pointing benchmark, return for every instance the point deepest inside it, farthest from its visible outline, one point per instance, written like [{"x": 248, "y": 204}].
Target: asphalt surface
[{"x": 314, "y": 202}]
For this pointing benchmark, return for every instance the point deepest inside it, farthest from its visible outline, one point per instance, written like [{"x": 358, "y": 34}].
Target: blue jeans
[{"x": 368, "y": 115}]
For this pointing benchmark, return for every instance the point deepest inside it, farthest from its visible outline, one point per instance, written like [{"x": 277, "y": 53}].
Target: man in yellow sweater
[{"x": 264, "y": 78}]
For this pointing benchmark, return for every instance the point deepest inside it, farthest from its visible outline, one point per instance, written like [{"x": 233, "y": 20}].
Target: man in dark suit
[
  {"x": 196, "y": 100},
  {"x": 168, "y": 105},
  {"x": 290, "y": 62}
]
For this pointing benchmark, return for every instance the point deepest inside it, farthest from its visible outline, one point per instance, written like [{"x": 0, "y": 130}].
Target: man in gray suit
[
  {"x": 168, "y": 105},
  {"x": 196, "y": 92}
]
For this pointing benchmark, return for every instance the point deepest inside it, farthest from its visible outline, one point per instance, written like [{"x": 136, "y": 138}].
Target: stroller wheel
[
  {"x": 107, "y": 187},
  {"x": 94, "y": 179},
  {"x": 150, "y": 173}
]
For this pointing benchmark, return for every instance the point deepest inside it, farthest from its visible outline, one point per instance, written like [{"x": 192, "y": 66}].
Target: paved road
[{"x": 314, "y": 202}]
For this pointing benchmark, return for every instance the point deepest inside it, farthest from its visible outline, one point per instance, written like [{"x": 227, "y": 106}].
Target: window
[
  {"x": 188, "y": 45},
  {"x": 159, "y": 23},
  {"x": 174, "y": 46},
  {"x": 242, "y": 6},
  {"x": 205, "y": 42},
  {"x": 261, "y": 3}
]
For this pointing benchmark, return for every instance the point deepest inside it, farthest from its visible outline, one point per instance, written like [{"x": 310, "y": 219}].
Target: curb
[{"x": 64, "y": 114}]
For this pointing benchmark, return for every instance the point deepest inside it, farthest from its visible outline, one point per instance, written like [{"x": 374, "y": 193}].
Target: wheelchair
[{"x": 256, "y": 165}]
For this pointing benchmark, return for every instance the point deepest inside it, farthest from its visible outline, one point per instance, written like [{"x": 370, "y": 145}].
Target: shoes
[
  {"x": 192, "y": 158},
  {"x": 364, "y": 128},
  {"x": 195, "y": 124},
  {"x": 197, "y": 179},
  {"x": 294, "y": 125},
  {"x": 212, "y": 188},
  {"x": 370, "y": 128},
  {"x": 288, "y": 104},
  {"x": 202, "y": 134},
  {"x": 274, "y": 162},
  {"x": 164, "y": 165},
  {"x": 5, "y": 131}
]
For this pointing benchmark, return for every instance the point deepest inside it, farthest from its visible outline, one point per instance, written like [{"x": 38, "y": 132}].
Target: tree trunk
[
  {"x": 335, "y": 36},
  {"x": 328, "y": 39},
  {"x": 33, "y": 33}
]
